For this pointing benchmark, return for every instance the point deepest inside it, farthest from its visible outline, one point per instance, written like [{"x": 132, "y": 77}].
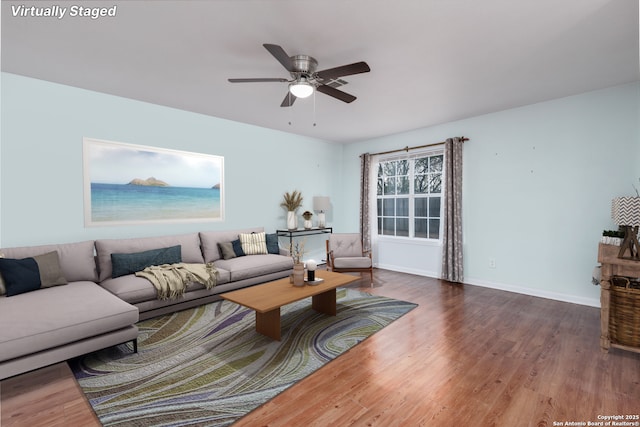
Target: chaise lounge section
[
  {"x": 95, "y": 310},
  {"x": 56, "y": 323}
]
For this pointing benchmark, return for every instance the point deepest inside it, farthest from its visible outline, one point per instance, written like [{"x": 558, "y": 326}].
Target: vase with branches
[
  {"x": 297, "y": 252},
  {"x": 292, "y": 202}
]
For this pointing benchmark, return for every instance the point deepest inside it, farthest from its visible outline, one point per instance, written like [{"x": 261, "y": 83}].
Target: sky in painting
[{"x": 120, "y": 163}]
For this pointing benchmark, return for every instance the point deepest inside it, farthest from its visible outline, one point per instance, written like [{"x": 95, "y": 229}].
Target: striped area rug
[{"x": 208, "y": 366}]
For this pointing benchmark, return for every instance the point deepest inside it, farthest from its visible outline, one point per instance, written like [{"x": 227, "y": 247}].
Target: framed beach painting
[{"x": 129, "y": 184}]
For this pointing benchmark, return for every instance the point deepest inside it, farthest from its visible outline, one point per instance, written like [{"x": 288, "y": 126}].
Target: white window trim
[{"x": 373, "y": 197}]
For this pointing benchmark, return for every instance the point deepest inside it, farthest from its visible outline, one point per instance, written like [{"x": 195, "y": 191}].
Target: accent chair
[{"x": 345, "y": 254}]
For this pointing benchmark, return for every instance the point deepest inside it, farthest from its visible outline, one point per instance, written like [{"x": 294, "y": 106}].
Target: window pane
[
  {"x": 388, "y": 226},
  {"x": 421, "y": 228},
  {"x": 388, "y": 207},
  {"x": 389, "y": 168},
  {"x": 402, "y": 167},
  {"x": 436, "y": 163},
  {"x": 379, "y": 226},
  {"x": 380, "y": 170},
  {"x": 402, "y": 207},
  {"x": 422, "y": 165},
  {"x": 434, "y": 207},
  {"x": 434, "y": 228},
  {"x": 403, "y": 185},
  {"x": 420, "y": 208},
  {"x": 379, "y": 210},
  {"x": 402, "y": 227},
  {"x": 379, "y": 191},
  {"x": 435, "y": 184},
  {"x": 389, "y": 186},
  {"x": 420, "y": 184}
]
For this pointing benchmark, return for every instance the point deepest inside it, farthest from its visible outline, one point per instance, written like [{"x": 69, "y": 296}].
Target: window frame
[{"x": 411, "y": 196}]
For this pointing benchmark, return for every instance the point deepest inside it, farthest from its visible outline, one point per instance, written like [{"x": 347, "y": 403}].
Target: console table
[
  {"x": 612, "y": 266},
  {"x": 303, "y": 232}
]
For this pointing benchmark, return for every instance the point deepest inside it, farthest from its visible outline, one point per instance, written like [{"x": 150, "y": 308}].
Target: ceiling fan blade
[
  {"x": 257, "y": 80},
  {"x": 288, "y": 100},
  {"x": 338, "y": 94},
  {"x": 279, "y": 53},
  {"x": 345, "y": 70}
]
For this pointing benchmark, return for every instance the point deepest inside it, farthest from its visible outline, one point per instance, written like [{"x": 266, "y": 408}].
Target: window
[{"x": 409, "y": 196}]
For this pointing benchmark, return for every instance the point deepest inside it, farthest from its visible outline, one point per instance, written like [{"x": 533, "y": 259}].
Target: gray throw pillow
[
  {"x": 226, "y": 250},
  {"x": 50, "y": 271}
]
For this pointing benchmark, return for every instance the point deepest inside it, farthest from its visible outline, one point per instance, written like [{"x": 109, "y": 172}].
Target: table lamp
[
  {"x": 321, "y": 204},
  {"x": 625, "y": 212}
]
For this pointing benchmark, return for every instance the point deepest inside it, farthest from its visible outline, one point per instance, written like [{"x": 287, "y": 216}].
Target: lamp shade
[
  {"x": 626, "y": 211},
  {"x": 321, "y": 203}
]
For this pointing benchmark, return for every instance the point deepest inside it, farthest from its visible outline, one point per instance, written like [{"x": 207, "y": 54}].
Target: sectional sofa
[{"x": 87, "y": 298}]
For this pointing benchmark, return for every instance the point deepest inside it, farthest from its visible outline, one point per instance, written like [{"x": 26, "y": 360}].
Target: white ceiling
[{"x": 432, "y": 61}]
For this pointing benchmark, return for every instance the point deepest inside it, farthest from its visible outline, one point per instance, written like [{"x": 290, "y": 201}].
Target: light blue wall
[
  {"x": 43, "y": 125},
  {"x": 538, "y": 183},
  {"x": 538, "y": 180}
]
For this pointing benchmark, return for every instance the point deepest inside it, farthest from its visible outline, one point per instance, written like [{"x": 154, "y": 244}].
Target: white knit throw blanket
[{"x": 171, "y": 280}]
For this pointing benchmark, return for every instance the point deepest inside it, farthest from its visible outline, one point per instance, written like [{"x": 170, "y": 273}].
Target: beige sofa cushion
[
  {"x": 249, "y": 266},
  {"x": 210, "y": 240},
  {"x": 190, "y": 249},
  {"x": 135, "y": 290},
  {"x": 53, "y": 317},
  {"x": 76, "y": 259}
]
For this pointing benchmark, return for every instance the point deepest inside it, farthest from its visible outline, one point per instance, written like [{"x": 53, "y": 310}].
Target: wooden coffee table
[{"x": 267, "y": 298}]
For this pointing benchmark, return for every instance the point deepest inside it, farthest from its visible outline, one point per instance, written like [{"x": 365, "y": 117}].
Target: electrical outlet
[{"x": 492, "y": 263}]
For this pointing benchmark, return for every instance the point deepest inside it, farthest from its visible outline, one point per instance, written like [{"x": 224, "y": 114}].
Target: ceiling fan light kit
[
  {"x": 304, "y": 78},
  {"x": 301, "y": 88}
]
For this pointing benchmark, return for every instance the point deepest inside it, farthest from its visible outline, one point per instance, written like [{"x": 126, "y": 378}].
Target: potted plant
[
  {"x": 612, "y": 237},
  {"x": 307, "y": 219},
  {"x": 292, "y": 202}
]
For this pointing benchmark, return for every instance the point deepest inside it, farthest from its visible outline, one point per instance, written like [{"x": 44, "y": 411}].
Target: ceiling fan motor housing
[{"x": 304, "y": 64}]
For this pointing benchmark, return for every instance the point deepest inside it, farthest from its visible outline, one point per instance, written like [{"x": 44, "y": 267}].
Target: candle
[{"x": 311, "y": 270}]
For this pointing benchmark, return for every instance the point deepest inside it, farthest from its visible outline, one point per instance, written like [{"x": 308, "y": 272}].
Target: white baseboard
[
  {"x": 574, "y": 299},
  {"x": 417, "y": 272}
]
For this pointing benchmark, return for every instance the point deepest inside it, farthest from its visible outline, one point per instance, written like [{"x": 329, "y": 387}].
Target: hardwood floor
[{"x": 466, "y": 356}]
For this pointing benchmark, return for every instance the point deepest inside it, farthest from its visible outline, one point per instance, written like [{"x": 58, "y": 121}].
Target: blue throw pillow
[
  {"x": 30, "y": 274},
  {"x": 237, "y": 248},
  {"x": 123, "y": 264},
  {"x": 272, "y": 244},
  {"x": 20, "y": 275}
]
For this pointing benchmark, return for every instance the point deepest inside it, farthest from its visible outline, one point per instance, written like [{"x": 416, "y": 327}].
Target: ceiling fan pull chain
[{"x": 314, "y": 108}]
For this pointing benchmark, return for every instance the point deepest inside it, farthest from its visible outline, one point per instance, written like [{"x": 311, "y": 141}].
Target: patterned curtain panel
[
  {"x": 365, "y": 166},
  {"x": 452, "y": 235}
]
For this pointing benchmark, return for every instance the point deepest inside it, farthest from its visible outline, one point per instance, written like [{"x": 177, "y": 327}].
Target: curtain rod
[{"x": 462, "y": 138}]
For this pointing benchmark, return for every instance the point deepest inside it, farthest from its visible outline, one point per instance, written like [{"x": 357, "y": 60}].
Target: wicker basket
[{"x": 624, "y": 313}]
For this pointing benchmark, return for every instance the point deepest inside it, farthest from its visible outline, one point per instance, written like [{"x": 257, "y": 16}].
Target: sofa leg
[{"x": 135, "y": 345}]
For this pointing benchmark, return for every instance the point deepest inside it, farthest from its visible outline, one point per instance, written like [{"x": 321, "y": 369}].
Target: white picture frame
[{"x": 135, "y": 184}]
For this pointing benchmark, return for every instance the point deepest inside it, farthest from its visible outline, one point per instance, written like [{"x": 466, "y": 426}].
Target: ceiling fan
[{"x": 305, "y": 79}]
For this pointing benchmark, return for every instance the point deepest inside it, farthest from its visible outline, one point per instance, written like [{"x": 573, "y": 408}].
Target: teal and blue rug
[{"x": 208, "y": 366}]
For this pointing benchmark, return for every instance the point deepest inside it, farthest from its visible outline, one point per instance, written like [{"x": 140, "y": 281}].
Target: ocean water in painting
[{"x": 118, "y": 202}]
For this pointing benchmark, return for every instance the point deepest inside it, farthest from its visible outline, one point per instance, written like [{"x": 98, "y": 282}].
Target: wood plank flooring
[{"x": 467, "y": 356}]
